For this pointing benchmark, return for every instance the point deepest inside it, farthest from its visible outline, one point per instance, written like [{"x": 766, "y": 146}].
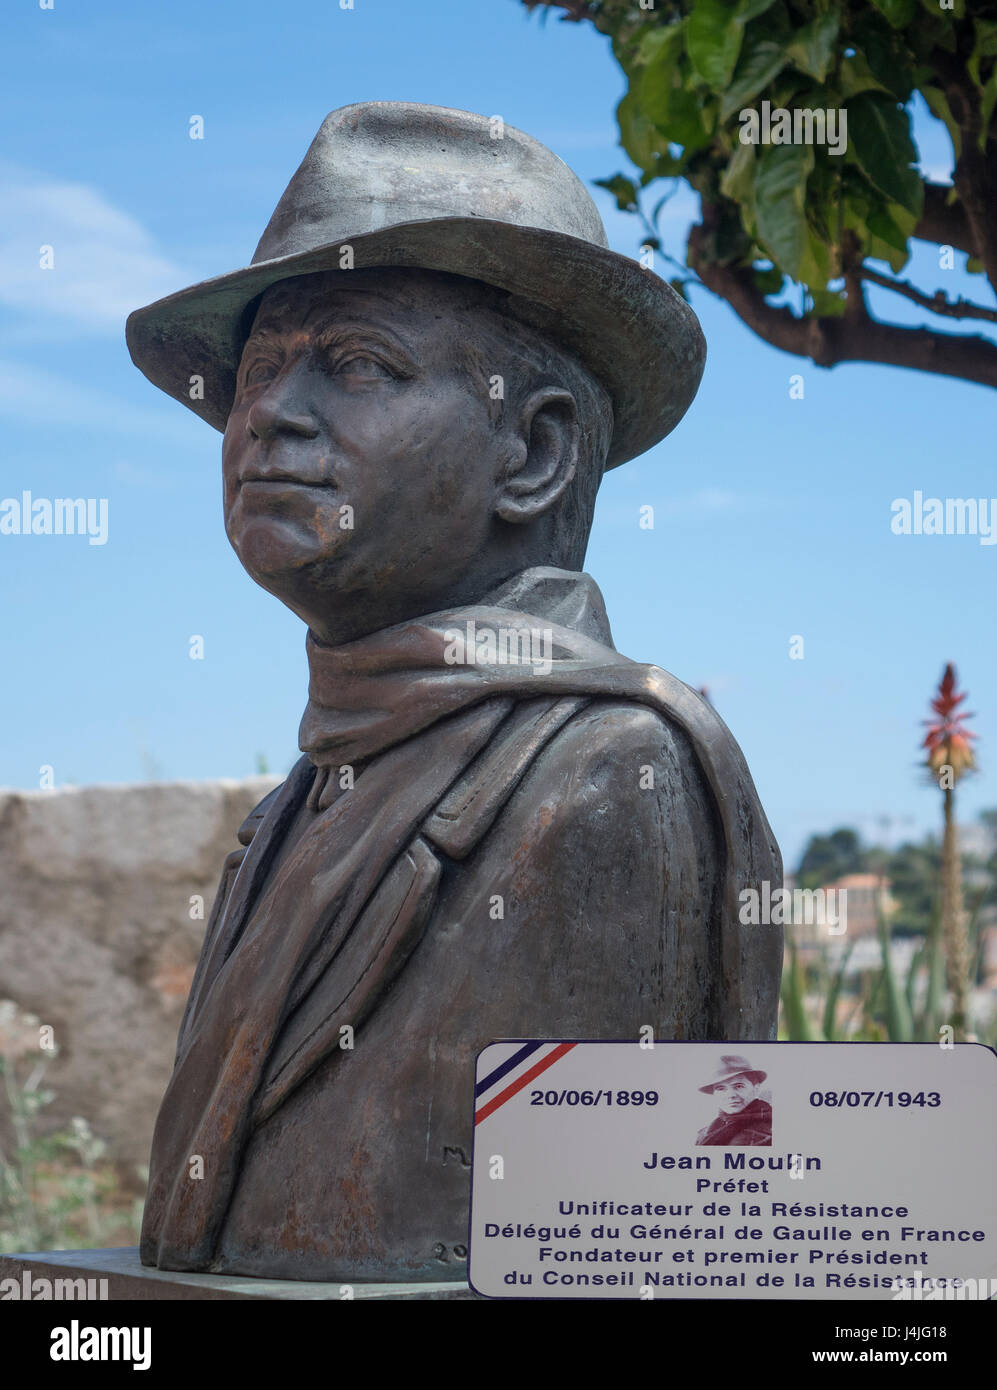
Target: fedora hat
[
  {"x": 731, "y": 1066},
  {"x": 427, "y": 187}
]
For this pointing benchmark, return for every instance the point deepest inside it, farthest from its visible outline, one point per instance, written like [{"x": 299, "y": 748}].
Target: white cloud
[
  {"x": 105, "y": 262},
  {"x": 31, "y": 394},
  {"x": 713, "y": 499}
]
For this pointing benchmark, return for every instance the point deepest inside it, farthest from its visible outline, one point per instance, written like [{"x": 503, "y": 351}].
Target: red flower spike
[{"x": 948, "y": 740}]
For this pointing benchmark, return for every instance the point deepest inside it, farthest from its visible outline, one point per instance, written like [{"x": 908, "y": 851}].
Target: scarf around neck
[{"x": 543, "y": 632}]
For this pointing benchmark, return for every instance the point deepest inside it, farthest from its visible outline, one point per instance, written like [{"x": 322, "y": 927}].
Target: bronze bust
[{"x": 500, "y": 827}]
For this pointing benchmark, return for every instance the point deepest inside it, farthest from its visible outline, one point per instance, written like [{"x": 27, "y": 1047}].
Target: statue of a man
[{"x": 500, "y": 827}]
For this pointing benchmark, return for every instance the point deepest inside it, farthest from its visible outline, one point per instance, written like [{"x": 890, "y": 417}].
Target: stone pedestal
[{"x": 81, "y": 1274}]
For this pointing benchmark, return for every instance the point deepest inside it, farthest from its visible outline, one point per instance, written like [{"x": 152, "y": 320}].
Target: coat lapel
[{"x": 237, "y": 894}]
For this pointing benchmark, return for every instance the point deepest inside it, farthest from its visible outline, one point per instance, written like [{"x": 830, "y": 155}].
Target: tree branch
[
  {"x": 577, "y": 10},
  {"x": 851, "y": 262},
  {"x": 937, "y": 303},
  {"x": 944, "y": 222},
  {"x": 828, "y": 341},
  {"x": 975, "y": 174},
  {"x": 976, "y": 179}
]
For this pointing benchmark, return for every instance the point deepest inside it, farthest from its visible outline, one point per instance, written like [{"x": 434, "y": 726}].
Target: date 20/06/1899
[{"x": 594, "y": 1097}]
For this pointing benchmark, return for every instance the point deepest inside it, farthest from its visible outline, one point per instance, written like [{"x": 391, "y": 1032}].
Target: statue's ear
[{"x": 544, "y": 455}]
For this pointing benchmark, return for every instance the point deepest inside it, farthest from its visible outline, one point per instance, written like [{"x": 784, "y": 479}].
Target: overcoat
[
  {"x": 516, "y": 854},
  {"x": 753, "y": 1126}
]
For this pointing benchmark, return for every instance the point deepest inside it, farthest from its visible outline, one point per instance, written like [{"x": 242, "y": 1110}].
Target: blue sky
[{"x": 772, "y": 515}]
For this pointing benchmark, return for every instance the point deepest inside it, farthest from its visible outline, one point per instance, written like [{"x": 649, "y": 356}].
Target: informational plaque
[{"x": 652, "y": 1169}]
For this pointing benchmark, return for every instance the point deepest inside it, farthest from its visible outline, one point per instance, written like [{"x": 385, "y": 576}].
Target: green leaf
[
  {"x": 857, "y": 76},
  {"x": 662, "y": 75},
  {"x": 879, "y": 139},
  {"x": 933, "y": 30},
  {"x": 777, "y": 24},
  {"x": 812, "y": 47},
  {"x": 659, "y": 205},
  {"x": 780, "y": 202},
  {"x": 828, "y": 303},
  {"x": 876, "y": 249},
  {"x": 898, "y": 1020},
  {"x": 738, "y": 183},
  {"x": 815, "y": 264},
  {"x": 761, "y": 60},
  {"x": 886, "y": 241},
  {"x": 794, "y": 1002},
  {"x": 751, "y": 9},
  {"x": 626, "y": 33},
  {"x": 770, "y": 281},
  {"x": 738, "y": 180},
  {"x": 986, "y": 37},
  {"x": 938, "y": 105},
  {"x": 987, "y": 102},
  {"x": 985, "y": 47},
  {"x": 643, "y": 142},
  {"x": 824, "y": 194},
  {"x": 683, "y": 116},
  {"x": 974, "y": 265},
  {"x": 957, "y": 11},
  {"x": 691, "y": 122},
  {"x": 713, "y": 41},
  {"x": 834, "y": 991},
  {"x": 899, "y": 13},
  {"x": 903, "y": 219},
  {"x": 662, "y": 45},
  {"x": 622, "y": 189},
  {"x": 887, "y": 54},
  {"x": 881, "y": 224}
]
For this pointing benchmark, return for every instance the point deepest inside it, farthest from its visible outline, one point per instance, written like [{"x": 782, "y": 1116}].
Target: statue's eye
[
  {"x": 360, "y": 365},
  {"x": 259, "y": 370}
]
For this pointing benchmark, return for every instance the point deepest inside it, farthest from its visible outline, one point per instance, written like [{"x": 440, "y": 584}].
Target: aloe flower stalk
[{"x": 949, "y": 758}]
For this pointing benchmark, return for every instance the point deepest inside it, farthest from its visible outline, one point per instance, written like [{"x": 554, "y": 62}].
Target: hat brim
[
  {"x": 632, "y": 330},
  {"x": 757, "y": 1077}
]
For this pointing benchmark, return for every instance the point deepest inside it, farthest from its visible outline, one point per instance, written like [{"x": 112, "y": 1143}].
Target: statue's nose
[{"x": 277, "y": 410}]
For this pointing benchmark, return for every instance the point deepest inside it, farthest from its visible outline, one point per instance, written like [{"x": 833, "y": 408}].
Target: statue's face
[
  {"x": 734, "y": 1095},
  {"x": 359, "y": 460}
]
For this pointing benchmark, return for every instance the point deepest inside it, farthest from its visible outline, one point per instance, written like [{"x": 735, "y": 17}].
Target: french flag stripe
[
  {"x": 505, "y": 1068},
  {"x": 516, "y": 1086}
]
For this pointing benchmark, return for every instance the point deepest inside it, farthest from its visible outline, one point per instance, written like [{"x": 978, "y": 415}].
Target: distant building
[
  {"x": 845, "y": 909},
  {"x": 869, "y": 898}
]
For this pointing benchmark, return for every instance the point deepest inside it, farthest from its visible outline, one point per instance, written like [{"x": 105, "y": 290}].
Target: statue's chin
[{"x": 275, "y": 550}]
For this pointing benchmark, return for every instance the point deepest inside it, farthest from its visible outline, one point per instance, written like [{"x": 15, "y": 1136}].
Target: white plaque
[{"x": 734, "y": 1170}]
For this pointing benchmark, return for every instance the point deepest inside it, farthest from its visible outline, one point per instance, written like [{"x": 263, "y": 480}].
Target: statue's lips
[{"x": 253, "y": 486}]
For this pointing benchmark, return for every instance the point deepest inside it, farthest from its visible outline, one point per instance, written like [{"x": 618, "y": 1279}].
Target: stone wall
[{"x": 98, "y": 940}]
